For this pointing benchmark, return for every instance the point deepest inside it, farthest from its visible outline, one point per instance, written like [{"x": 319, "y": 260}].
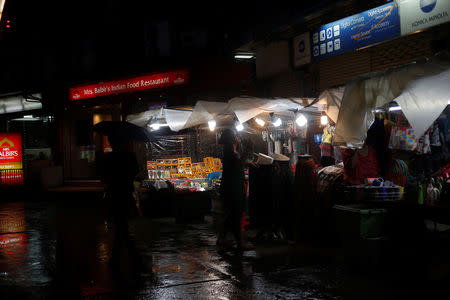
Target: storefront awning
[
  {"x": 19, "y": 102},
  {"x": 421, "y": 89},
  {"x": 242, "y": 108}
]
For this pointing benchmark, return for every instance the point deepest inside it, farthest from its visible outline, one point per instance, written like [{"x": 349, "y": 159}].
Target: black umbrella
[{"x": 124, "y": 130}]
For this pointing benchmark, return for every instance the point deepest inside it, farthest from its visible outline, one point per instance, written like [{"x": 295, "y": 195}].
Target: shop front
[
  {"x": 26, "y": 139},
  {"x": 392, "y": 130},
  {"x": 109, "y": 101}
]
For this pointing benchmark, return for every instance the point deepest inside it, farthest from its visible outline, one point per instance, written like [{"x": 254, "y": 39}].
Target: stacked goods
[{"x": 182, "y": 167}]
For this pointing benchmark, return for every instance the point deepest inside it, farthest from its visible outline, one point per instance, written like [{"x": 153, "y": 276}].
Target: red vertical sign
[{"x": 11, "y": 166}]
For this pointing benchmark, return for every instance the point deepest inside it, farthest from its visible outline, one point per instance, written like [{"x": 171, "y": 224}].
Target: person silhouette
[
  {"x": 232, "y": 190},
  {"x": 120, "y": 168}
]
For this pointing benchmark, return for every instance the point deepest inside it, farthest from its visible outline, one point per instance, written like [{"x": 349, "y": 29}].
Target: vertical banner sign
[
  {"x": 420, "y": 14},
  {"x": 302, "y": 49},
  {"x": 369, "y": 27},
  {"x": 11, "y": 167}
]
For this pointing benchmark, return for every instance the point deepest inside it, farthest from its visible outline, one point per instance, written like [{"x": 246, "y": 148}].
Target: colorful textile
[
  {"x": 326, "y": 150},
  {"x": 403, "y": 138}
]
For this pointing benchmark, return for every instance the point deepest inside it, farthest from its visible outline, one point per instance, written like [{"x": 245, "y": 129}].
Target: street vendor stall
[
  {"x": 187, "y": 157},
  {"x": 393, "y": 131}
]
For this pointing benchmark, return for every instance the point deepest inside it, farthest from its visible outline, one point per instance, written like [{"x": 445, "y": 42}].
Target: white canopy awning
[
  {"x": 243, "y": 108},
  {"x": 19, "y": 102},
  {"x": 421, "y": 89}
]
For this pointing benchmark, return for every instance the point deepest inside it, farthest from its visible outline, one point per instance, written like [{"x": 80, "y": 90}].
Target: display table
[{"x": 163, "y": 199}]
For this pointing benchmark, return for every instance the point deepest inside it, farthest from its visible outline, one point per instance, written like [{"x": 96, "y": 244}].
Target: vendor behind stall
[{"x": 363, "y": 163}]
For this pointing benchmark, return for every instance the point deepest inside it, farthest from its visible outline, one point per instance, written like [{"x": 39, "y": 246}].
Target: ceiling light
[
  {"x": 212, "y": 125},
  {"x": 301, "y": 120},
  {"x": 324, "y": 120},
  {"x": 260, "y": 122},
  {"x": 239, "y": 127},
  {"x": 28, "y": 116},
  {"x": 243, "y": 56},
  {"x": 155, "y": 126},
  {"x": 394, "y": 108},
  {"x": 277, "y": 122}
]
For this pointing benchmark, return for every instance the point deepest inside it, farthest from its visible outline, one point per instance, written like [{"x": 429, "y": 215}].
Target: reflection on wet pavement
[{"x": 50, "y": 251}]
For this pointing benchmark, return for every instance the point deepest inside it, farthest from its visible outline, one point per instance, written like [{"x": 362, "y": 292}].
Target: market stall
[
  {"x": 392, "y": 131},
  {"x": 187, "y": 157}
]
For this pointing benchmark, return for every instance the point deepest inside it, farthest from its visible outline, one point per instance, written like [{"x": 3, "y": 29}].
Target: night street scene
[{"x": 225, "y": 149}]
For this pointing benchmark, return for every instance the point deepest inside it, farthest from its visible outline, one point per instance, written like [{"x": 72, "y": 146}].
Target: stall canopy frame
[{"x": 240, "y": 109}]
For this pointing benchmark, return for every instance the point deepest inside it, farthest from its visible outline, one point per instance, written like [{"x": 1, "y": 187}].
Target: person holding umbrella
[
  {"x": 120, "y": 167},
  {"x": 119, "y": 170}
]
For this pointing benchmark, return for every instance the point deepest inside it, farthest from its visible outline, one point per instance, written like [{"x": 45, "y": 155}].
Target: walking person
[
  {"x": 120, "y": 168},
  {"x": 232, "y": 191}
]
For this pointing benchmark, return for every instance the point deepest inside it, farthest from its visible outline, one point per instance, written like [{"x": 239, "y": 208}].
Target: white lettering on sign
[
  {"x": 155, "y": 82},
  {"x": 8, "y": 153},
  {"x": 118, "y": 87},
  {"x": 130, "y": 84},
  {"x": 100, "y": 90},
  {"x": 378, "y": 11}
]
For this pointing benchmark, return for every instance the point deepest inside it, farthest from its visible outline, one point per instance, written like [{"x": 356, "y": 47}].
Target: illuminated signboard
[
  {"x": 417, "y": 15},
  {"x": 369, "y": 27},
  {"x": 11, "y": 167},
  {"x": 153, "y": 81}
]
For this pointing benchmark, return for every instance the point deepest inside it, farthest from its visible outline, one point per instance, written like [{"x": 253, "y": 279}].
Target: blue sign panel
[{"x": 357, "y": 31}]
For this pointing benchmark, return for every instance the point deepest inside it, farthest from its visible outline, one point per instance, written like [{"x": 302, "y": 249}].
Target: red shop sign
[
  {"x": 154, "y": 81},
  {"x": 11, "y": 167}
]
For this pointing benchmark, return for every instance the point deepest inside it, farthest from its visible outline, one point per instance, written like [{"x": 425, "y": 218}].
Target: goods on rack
[
  {"x": 369, "y": 193},
  {"x": 182, "y": 167}
]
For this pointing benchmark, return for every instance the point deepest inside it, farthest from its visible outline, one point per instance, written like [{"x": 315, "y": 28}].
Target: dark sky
[
  {"x": 72, "y": 19},
  {"x": 72, "y": 41}
]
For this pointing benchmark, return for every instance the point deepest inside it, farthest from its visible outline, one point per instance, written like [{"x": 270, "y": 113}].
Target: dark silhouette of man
[
  {"x": 120, "y": 168},
  {"x": 232, "y": 191}
]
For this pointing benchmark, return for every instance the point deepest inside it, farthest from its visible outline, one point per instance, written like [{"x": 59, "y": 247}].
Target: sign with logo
[
  {"x": 420, "y": 14},
  {"x": 302, "y": 50},
  {"x": 11, "y": 167},
  {"x": 357, "y": 31},
  {"x": 154, "y": 81}
]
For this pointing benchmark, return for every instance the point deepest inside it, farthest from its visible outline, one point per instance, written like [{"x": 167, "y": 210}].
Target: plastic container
[{"x": 359, "y": 222}]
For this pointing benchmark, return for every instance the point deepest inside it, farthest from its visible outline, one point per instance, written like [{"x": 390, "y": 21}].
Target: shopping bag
[{"x": 403, "y": 138}]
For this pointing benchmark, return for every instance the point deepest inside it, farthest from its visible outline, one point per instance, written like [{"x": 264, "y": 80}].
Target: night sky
[{"x": 64, "y": 42}]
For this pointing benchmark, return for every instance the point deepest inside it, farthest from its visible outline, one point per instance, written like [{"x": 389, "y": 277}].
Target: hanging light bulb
[
  {"x": 260, "y": 122},
  {"x": 155, "y": 126},
  {"x": 277, "y": 122},
  {"x": 395, "y": 108},
  {"x": 301, "y": 120},
  {"x": 324, "y": 120},
  {"x": 212, "y": 125},
  {"x": 239, "y": 127}
]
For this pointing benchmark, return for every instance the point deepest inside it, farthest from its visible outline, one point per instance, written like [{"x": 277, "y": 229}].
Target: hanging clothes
[
  {"x": 358, "y": 166},
  {"x": 326, "y": 148},
  {"x": 376, "y": 137}
]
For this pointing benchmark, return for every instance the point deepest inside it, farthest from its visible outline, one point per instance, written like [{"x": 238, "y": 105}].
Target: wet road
[{"x": 51, "y": 250}]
